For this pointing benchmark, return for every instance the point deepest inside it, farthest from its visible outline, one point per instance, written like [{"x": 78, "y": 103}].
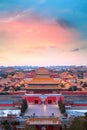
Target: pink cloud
[
  {"x": 36, "y": 41},
  {"x": 38, "y": 32}
]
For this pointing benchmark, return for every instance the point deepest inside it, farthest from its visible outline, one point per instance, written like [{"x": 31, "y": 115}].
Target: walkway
[{"x": 43, "y": 110}]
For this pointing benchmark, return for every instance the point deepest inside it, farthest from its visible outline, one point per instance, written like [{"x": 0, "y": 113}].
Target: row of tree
[
  {"x": 61, "y": 106},
  {"x": 24, "y": 106},
  {"x": 79, "y": 123},
  {"x": 30, "y": 127},
  {"x": 74, "y": 88},
  {"x": 9, "y": 125}
]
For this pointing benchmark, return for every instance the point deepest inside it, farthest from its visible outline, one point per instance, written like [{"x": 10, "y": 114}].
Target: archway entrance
[
  {"x": 49, "y": 101},
  {"x": 36, "y": 102}
]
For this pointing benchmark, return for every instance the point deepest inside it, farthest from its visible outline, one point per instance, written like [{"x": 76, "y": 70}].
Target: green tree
[
  {"x": 74, "y": 88},
  {"x": 86, "y": 116},
  {"x": 79, "y": 123},
  {"x": 17, "y": 88},
  {"x": 61, "y": 106},
  {"x": 70, "y": 89},
  {"x": 14, "y": 123},
  {"x": 30, "y": 127},
  {"x": 6, "y": 125},
  {"x": 24, "y": 106},
  {"x": 62, "y": 85},
  {"x": 84, "y": 85},
  {"x": 6, "y": 88},
  {"x": 12, "y": 73}
]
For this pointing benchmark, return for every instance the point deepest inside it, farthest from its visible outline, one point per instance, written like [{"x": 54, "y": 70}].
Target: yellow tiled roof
[
  {"x": 42, "y": 70},
  {"x": 66, "y": 75},
  {"x": 43, "y": 81},
  {"x": 43, "y": 87},
  {"x": 49, "y": 120}
]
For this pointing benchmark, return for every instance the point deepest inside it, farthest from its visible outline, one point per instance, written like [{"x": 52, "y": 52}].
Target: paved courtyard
[{"x": 43, "y": 110}]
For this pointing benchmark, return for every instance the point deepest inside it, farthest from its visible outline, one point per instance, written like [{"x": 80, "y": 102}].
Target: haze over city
[{"x": 43, "y": 32}]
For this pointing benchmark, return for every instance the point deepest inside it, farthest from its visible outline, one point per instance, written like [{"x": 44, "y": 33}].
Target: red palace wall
[
  {"x": 7, "y": 105},
  {"x": 52, "y": 99},
  {"x": 47, "y": 128},
  {"x": 10, "y": 105},
  {"x": 80, "y": 105},
  {"x": 17, "y": 104},
  {"x": 49, "y": 99},
  {"x": 74, "y": 93},
  {"x": 32, "y": 99},
  {"x": 16, "y": 93},
  {"x": 50, "y": 127}
]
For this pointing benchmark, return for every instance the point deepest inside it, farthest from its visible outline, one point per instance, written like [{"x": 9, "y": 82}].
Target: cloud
[
  {"x": 10, "y": 19},
  {"x": 65, "y": 23},
  {"x": 17, "y": 16},
  {"x": 76, "y": 49},
  {"x": 79, "y": 49}
]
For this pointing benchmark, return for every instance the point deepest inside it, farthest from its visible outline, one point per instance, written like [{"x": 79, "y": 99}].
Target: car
[
  {"x": 25, "y": 117},
  {"x": 64, "y": 118},
  {"x": 18, "y": 117}
]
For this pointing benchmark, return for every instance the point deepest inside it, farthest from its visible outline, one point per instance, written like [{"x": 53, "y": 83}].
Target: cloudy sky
[{"x": 43, "y": 32}]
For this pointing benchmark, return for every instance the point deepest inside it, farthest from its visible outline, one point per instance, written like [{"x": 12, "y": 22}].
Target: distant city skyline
[{"x": 43, "y": 32}]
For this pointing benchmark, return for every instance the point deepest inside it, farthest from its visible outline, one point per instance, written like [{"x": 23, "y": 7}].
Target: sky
[{"x": 43, "y": 32}]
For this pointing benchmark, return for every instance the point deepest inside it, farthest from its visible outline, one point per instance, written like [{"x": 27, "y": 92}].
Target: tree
[
  {"x": 61, "y": 106},
  {"x": 12, "y": 73},
  {"x": 14, "y": 123},
  {"x": 6, "y": 88},
  {"x": 84, "y": 85},
  {"x": 62, "y": 85},
  {"x": 74, "y": 88},
  {"x": 24, "y": 106},
  {"x": 30, "y": 127},
  {"x": 4, "y": 75},
  {"x": 79, "y": 123},
  {"x": 86, "y": 115},
  {"x": 6, "y": 125},
  {"x": 17, "y": 88},
  {"x": 81, "y": 82},
  {"x": 70, "y": 89}
]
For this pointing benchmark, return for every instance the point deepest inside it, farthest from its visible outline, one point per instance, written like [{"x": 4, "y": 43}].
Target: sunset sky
[{"x": 43, "y": 32}]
